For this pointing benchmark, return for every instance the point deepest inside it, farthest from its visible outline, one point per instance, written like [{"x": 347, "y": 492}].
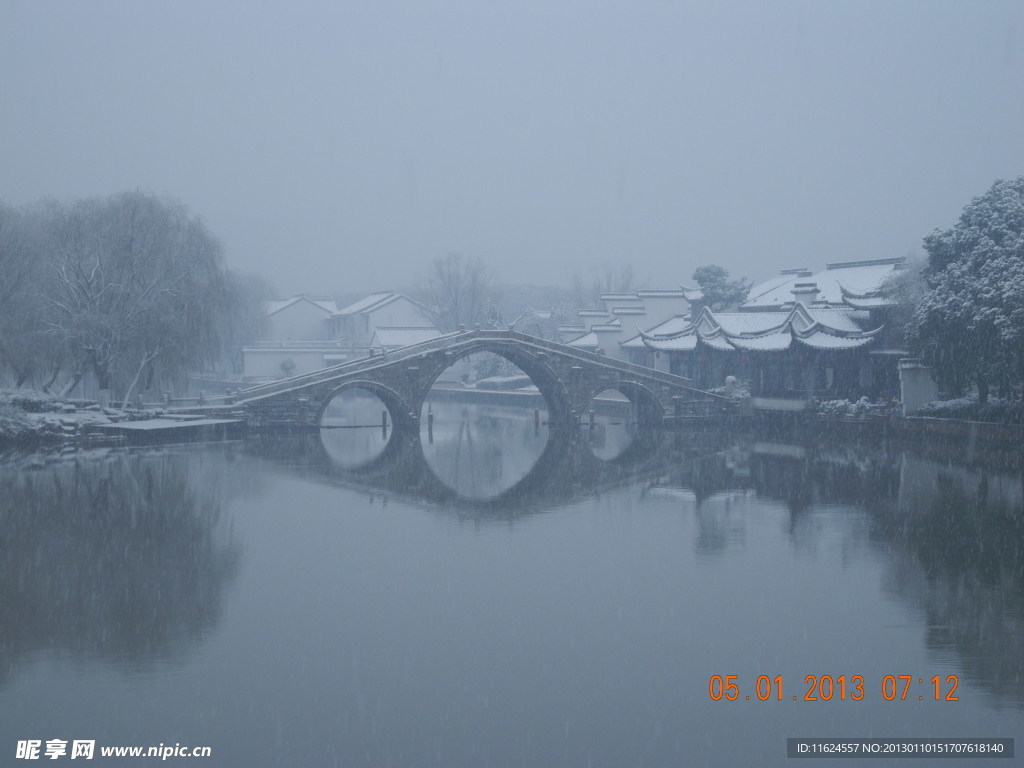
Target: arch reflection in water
[
  {"x": 355, "y": 427},
  {"x": 483, "y": 425},
  {"x": 481, "y": 450},
  {"x": 609, "y": 425}
]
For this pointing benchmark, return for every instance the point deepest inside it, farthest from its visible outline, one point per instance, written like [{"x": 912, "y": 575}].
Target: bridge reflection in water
[{"x": 483, "y": 457}]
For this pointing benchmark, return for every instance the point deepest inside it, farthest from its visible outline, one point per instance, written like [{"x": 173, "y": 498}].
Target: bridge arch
[
  {"x": 543, "y": 376},
  {"x": 397, "y": 407},
  {"x": 645, "y": 410},
  {"x": 644, "y": 402}
]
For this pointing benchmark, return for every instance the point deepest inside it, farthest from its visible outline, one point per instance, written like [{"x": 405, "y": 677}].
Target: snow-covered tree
[
  {"x": 136, "y": 286},
  {"x": 459, "y": 291},
  {"x": 970, "y": 323},
  {"x": 719, "y": 291},
  {"x": 31, "y": 355}
]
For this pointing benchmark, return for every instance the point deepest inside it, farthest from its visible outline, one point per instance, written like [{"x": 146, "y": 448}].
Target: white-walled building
[
  {"x": 305, "y": 334},
  {"x": 299, "y": 318},
  {"x": 359, "y": 321}
]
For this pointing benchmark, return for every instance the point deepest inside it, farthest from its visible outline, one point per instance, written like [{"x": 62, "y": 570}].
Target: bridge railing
[
  {"x": 592, "y": 357},
  {"x": 359, "y": 363}
]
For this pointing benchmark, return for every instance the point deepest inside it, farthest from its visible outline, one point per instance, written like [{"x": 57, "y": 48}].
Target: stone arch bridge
[{"x": 568, "y": 378}]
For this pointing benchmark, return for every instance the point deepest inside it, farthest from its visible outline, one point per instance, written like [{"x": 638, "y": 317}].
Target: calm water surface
[{"x": 269, "y": 601}]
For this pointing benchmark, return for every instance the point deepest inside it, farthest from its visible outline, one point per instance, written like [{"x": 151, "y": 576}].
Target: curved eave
[
  {"x": 718, "y": 341},
  {"x": 818, "y": 329},
  {"x": 777, "y": 342},
  {"x": 675, "y": 344},
  {"x": 827, "y": 341},
  {"x": 688, "y": 331},
  {"x": 846, "y": 293},
  {"x": 867, "y": 303}
]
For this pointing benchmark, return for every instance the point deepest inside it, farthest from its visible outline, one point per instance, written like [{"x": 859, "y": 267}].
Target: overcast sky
[{"x": 338, "y": 147}]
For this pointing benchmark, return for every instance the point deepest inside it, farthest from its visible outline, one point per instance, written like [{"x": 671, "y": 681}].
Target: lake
[{"x": 321, "y": 600}]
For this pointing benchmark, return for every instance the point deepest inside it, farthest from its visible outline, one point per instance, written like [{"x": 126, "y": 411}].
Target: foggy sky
[{"x": 338, "y": 147}]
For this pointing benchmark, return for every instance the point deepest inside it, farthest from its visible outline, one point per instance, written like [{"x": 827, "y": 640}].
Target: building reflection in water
[{"x": 953, "y": 533}]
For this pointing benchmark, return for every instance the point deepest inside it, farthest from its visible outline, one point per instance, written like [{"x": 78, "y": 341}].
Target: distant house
[
  {"x": 299, "y": 318},
  {"x": 543, "y": 324},
  {"x": 357, "y": 322},
  {"x": 304, "y": 334},
  {"x": 615, "y": 329}
]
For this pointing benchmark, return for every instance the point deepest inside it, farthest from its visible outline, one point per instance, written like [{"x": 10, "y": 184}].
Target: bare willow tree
[
  {"x": 244, "y": 320},
  {"x": 18, "y": 248},
  {"x": 30, "y": 354},
  {"x": 586, "y": 290},
  {"x": 136, "y": 286},
  {"x": 459, "y": 291}
]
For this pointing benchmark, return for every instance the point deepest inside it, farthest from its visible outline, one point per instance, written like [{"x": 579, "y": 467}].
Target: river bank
[{"x": 30, "y": 419}]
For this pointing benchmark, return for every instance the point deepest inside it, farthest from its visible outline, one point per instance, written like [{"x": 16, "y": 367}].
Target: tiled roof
[
  {"x": 374, "y": 302},
  {"x": 821, "y": 328},
  {"x": 668, "y": 293},
  {"x": 587, "y": 341},
  {"x": 851, "y": 277},
  {"x": 325, "y": 304}
]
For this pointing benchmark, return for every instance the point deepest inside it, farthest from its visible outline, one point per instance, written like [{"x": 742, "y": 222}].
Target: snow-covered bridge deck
[{"x": 567, "y": 377}]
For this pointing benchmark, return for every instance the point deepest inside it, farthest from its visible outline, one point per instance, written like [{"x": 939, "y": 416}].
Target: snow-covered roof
[
  {"x": 770, "y": 342},
  {"x": 586, "y": 341},
  {"x": 838, "y": 318},
  {"x": 766, "y": 294},
  {"x": 669, "y": 293},
  {"x": 817, "y": 327},
  {"x": 535, "y": 314},
  {"x": 737, "y": 323},
  {"x": 720, "y": 342},
  {"x": 373, "y": 302},
  {"x": 827, "y": 341},
  {"x": 676, "y": 344},
  {"x": 863, "y": 278},
  {"x": 394, "y": 337},
  {"x": 327, "y": 305},
  {"x": 670, "y": 326}
]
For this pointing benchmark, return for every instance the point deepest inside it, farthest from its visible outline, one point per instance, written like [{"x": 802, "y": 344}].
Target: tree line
[{"x": 130, "y": 288}]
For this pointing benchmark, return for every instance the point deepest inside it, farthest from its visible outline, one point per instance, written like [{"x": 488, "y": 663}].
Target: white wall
[
  {"x": 301, "y": 321},
  {"x": 265, "y": 362}
]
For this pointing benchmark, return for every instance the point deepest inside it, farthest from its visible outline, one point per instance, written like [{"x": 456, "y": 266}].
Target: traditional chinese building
[{"x": 800, "y": 335}]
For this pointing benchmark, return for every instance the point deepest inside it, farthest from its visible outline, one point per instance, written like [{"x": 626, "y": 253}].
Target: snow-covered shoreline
[{"x": 29, "y": 419}]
